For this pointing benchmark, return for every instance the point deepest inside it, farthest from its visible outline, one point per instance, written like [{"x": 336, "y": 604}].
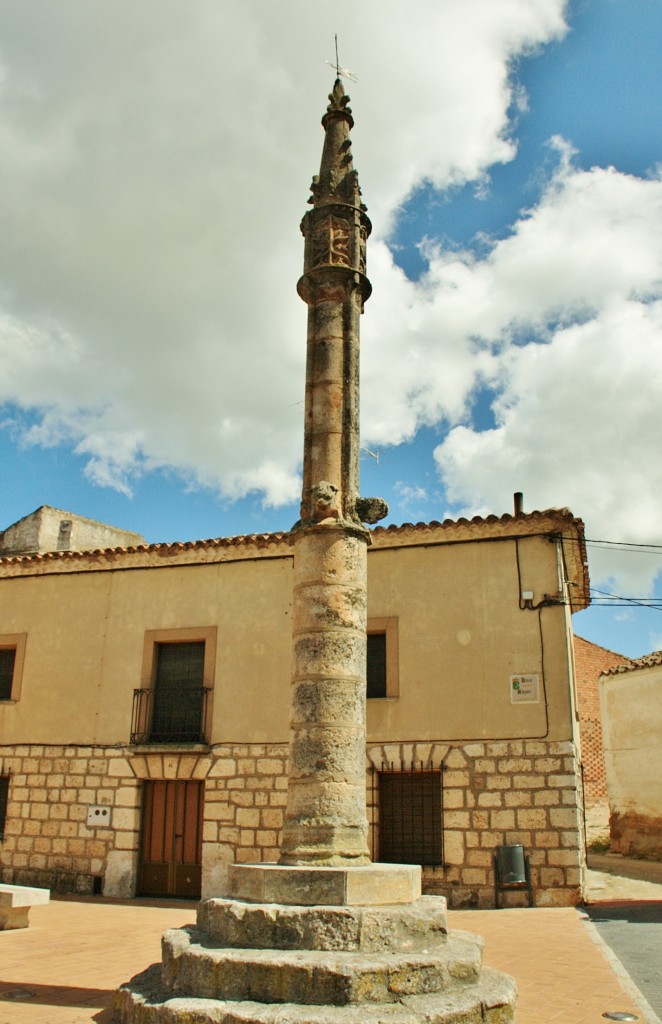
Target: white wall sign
[{"x": 525, "y": 689}]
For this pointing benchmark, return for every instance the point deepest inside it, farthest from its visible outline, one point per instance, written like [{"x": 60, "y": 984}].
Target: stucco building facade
[
  {"x": 631, "y": 708},
  {"x": 144, "y": 708}
]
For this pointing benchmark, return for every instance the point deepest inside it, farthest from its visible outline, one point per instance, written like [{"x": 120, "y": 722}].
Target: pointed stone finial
[{"x": 339, "y": 101}]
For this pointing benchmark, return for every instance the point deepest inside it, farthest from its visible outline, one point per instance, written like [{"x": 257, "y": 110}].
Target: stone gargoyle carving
[
  {"x": 371, "y": 510},
  {"x": 325, "y": 501}
]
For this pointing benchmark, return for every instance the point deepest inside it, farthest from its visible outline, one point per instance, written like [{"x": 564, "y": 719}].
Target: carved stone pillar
[{"x": 325, "y": 821}]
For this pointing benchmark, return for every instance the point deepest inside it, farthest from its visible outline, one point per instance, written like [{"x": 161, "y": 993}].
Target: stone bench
[{"x": 15, "y": 903}]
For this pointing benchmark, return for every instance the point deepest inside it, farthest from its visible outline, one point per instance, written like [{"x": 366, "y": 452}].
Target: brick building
[{"x": 590, "y": 663}]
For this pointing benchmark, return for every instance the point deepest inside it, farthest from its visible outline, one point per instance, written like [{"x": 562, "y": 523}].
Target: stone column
[
  {"x": 325, "y": 935},
  {"x": 326, "y": 812},
  {"x": 325, "y": 821}
]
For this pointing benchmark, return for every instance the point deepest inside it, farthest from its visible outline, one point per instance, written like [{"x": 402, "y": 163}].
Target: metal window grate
[
  {"x": 170, "y": 716},
  {"x": 410, "y": 811}
]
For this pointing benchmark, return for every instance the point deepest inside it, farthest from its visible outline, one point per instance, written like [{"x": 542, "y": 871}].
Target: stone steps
[
  {"x": 146, "y": 1000},
  {"x": 193, "y": 967},
  {"x": 421, "y": 925},
  {"x": 249, "y": 961}
]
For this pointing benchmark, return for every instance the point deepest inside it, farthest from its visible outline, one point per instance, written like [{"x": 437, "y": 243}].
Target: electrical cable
[
  {"x": 626, "y": 544},
  {"x": 642, "y": 548},
  {"x": 607, "y": 600},
  {"x": 603, "y": 598}
]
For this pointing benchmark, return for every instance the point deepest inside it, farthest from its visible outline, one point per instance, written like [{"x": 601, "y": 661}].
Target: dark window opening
[
  {"x": 174, "y": 710},
  {"x": 178, "y": 692},
  {"x": 180, "y": 665},
  {"x": 4, "y": 797},
  {"x": 7, "y": 666},
  {"x": 411, "y": 817},
  {"x": 376, "y": 665},
  {"x": 64, "y": 535}
]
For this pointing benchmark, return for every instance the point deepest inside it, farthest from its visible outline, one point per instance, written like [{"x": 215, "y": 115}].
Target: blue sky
[{"x": 156, "y": 165}]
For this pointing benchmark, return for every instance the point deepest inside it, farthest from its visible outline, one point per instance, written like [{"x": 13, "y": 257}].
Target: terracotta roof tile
[
  {"x": 555, "y": 521},
  {"x": 647, "y": 661}
]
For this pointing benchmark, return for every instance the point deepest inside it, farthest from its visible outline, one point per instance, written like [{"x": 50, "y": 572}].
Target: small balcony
[{"x": 172, "y": 716}]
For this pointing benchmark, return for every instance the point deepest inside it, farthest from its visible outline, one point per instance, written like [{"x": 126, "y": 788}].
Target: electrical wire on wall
[
  {"x": 605, "y": 599},
  {"x": 526, "y": 604}
]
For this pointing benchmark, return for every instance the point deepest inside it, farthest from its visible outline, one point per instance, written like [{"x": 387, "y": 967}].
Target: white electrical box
[{"x": 98, "y": 817}]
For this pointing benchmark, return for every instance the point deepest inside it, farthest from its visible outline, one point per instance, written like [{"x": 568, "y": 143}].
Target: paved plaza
[{"x": 64, "y": 967}]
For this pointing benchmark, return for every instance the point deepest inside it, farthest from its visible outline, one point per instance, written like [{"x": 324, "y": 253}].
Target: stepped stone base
[
  {"x": 419, "y": 925},
  {"x": 148, "y": 1002},
  {"x": 344, "y": 962}
]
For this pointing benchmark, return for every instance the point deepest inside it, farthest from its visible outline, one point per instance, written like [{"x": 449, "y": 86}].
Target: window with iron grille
[
  {"x": 410, "y": 814},
  {"x": 7, "y": 666},
  {"x": 174, "y": 701},
  {"x": 4, "y": 796},
  {"x": 178, "y": 692}
]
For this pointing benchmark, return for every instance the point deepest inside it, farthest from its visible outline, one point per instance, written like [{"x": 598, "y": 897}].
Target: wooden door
[{"x": 171, "y": 840}]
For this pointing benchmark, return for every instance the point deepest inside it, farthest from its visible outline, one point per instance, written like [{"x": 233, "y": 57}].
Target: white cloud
[
  {"x": 155, "y": 163},
  {"x": 155, "y": 160},
  {"x": 578, "y": 412}
]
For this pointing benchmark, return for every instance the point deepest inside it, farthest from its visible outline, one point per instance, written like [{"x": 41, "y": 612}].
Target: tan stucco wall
[
  {"x": 631, "y": 709},
  {"x": 86, "y": 636},
  {"x": 461, "y": 635}
]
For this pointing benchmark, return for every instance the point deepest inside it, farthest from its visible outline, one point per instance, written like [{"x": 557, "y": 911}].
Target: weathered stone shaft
[
  {"x": 326, "y": 821},
  {"x": 331, "y": 436}
]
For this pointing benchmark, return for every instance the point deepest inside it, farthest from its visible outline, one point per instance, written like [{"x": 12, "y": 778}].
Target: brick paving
[{"x": 76, "y": 951}]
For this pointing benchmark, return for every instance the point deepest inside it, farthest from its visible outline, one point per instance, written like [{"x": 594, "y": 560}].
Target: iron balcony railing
[{"x": 170, "y": 715}]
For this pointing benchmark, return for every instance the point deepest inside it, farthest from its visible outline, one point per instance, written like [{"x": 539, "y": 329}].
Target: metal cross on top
[{"x": 341, "y": 72}]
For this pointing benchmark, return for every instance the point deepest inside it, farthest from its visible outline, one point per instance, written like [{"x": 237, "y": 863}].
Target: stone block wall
[
  {"x": 245, "y": 798},
  {"x": 517, "y": 791},
  {"x": 506, "y": 792},
  {"x": 636, "y": 835},
  {"x": 47, "y": 841}
]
